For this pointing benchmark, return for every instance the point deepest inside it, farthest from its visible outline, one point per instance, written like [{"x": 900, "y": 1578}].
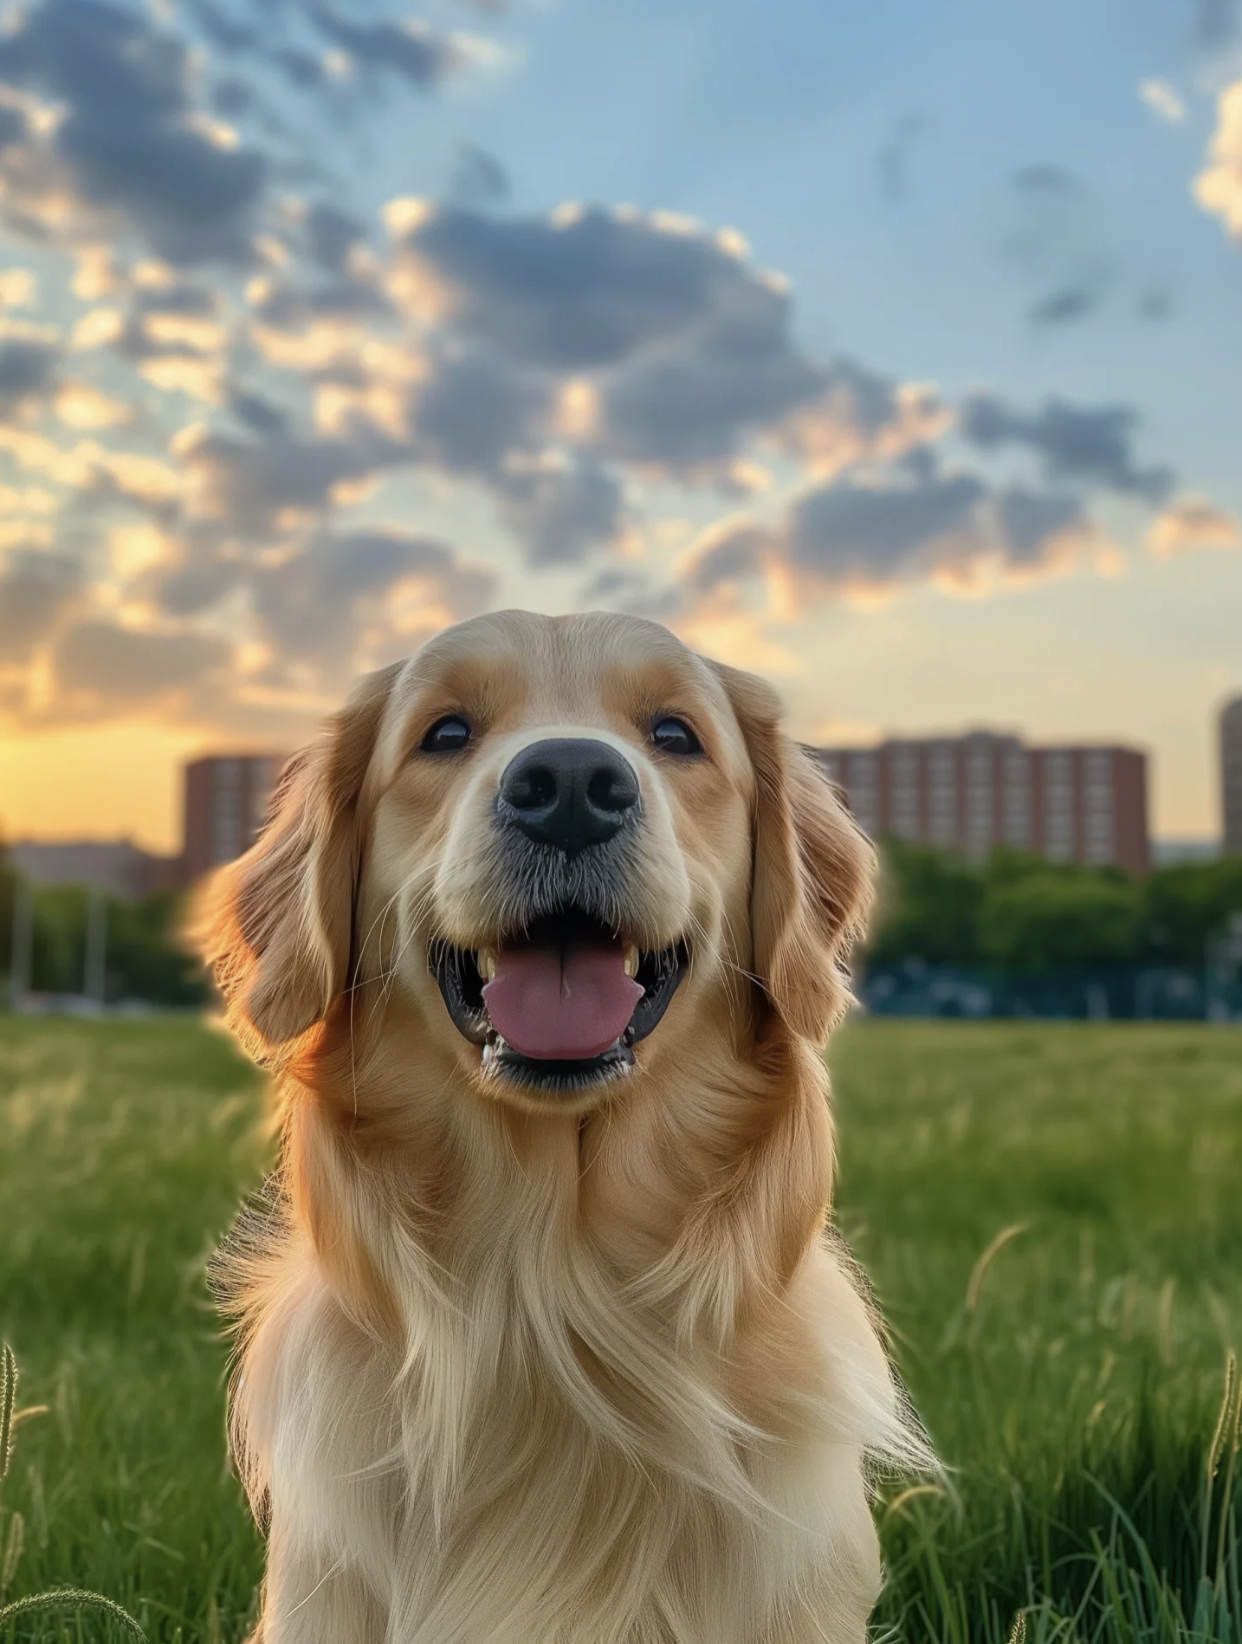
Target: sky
[{"x": 892, "y": 350}]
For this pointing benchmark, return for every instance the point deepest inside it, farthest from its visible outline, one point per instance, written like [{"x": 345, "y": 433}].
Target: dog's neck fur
[{"x": 632, "y": 1263}]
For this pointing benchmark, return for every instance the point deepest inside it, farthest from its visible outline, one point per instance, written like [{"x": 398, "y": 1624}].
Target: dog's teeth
[
  {"x": 487, "y": 964},
  {"x": 488, "y": 1053},
  {"x": 631, "y": 960}
]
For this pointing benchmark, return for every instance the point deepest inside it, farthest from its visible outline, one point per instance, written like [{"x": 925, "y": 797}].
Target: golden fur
[{"x": 523, "y": 1370}]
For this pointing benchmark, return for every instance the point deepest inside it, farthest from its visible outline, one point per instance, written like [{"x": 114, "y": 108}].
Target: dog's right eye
[{"x": 448, "y": 735}]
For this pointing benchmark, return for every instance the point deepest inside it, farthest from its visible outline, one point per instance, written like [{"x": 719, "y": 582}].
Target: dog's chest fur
[{"x": 549, "y": 1456}]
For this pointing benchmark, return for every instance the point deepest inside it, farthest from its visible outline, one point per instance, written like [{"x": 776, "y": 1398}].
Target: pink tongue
[{"x": 561, "y": 1004}]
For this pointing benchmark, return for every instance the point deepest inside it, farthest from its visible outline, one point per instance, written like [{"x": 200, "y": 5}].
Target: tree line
[
  {"x": 1018, "y": 913},
  {"x": 1010, "y": 913},
  {"x": 144, "y": 958}
]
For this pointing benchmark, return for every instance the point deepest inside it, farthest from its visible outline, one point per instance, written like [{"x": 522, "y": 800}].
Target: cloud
[
  {"x": 368, "y": 587},
  {"x": 102, "y": 668},
  {"x": 1033, "y": 523},
  {"x": 1163, "y": 100},
  {"x": 910, "y": 524},
  {"x": 1072, "y": 302},
  {"x": 474, "y": 409},
  {"x": 1192, "y": 522},
  {"x": 1053, "y": 242},
  {"x": 562, "y": 510},
  {"x": 28, "y": 368},
  {"x": 478, "y": 178},
  {"x": 261, "y": 485},
  {"x": 734, "y": 552},
  {"x": 583, "y": 289},
  {"x": 851, "y": 533},
  {"x": 700, "y": 404},
  {"x": 408, "y": 49},
  {"x": 1214, "y": 22},
  {"x": 1218, "y": 187},
  {"x": 1089, "y": 444},
  {"x": 128, "y": 137},
  {"x": 331, "y": 235},
  {"x": 36, "y": 589},
  {"x": 895, "y": 156}
]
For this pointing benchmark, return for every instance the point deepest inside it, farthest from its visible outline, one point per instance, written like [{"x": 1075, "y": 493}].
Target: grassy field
[{"x": 1052, "y": 1216}]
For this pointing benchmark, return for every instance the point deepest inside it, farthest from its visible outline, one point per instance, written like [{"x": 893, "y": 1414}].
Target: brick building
[
  {"x": 1231, "y": 776},
  {"x": 979, "y": 792},
  {"x": 225, "y": 803}
]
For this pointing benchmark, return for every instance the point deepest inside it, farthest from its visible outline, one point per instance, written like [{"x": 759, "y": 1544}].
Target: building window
[
  {"x": 1016, "y": 827},
  {"x": 864, "y": 790},
  {"x": 1058, "y": 806},
  {"x": 226, "y": 819},
  {"x": 904, "y": 808}
]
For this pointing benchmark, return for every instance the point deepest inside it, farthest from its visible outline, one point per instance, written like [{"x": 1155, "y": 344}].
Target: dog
[{"x": 542, "y": 1338}]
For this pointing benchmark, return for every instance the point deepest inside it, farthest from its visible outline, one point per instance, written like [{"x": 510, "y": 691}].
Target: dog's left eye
[
  {"x": 448, "y": 735},
  {"x": 674, "y": 736}
]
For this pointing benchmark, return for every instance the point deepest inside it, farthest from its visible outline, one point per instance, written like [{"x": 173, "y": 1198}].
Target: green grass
[{"x": 1071, "y": 1382}]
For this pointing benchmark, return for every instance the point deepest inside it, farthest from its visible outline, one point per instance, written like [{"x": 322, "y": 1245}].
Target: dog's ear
[
  {"x": 813, "y": 869},
  {"x": 276, "y": 926}
]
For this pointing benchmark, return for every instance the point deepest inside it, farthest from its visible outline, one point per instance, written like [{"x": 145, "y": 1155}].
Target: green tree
[
  {"x": 1048, "y": 919},
  {"x": 1187, "y": 904},
  {"x": 928, "y": 908}
]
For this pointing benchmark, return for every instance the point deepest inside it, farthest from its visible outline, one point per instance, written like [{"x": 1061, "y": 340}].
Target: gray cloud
[
  {"x": 1030, "y": 520},
  {"x": 314, "y": 602},
  {"x": 127, "y": 136},
  {"x": 1214, "y": 23},
  {"x": 698, "y": 404},
  {"x": 1075, "y": 442},
  {"x": 101, "y": 668},
  {"x": 1071, "y": 302},
  {"x": 588, "y": 291},
  {"x": 475, "y": 410},
  {"x": 477, "y": 178},
  {"x": 850, "y": 532},
  {"x": 256, "y": 412},
  {"x": 735, "y": 554},
  {"x": 28, "y": 369},
  {"x": 246, "y": 484},
  {"x": 407, "y": 49},
  {"x": 36, "y": 589},
  {"x": 562, "y": 512},
  {"x": 1053, "y": 241},
  {"x": 331, "y": 234}
]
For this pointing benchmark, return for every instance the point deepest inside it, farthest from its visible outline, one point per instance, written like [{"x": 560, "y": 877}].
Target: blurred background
[{"x": 892, "y": 350}]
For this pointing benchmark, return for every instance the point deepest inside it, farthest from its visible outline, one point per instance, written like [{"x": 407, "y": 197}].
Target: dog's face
[{"x": 565, "y": 844}]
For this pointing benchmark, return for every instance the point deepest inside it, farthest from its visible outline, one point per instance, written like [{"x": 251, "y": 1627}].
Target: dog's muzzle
[{"x": 560, "y": 1000}]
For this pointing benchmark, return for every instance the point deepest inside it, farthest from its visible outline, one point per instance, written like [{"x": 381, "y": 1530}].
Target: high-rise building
[
  {"x": 1231, "y": 776},
  {"x": 226, "y": 799},
  {"x": 982, "y": 791}
]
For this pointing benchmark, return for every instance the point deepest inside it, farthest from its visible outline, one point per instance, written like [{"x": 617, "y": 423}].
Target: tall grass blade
[{"x": 71, "y": 1598}]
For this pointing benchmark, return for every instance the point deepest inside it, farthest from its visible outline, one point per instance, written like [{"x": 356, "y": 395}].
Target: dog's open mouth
[{"x": 561, "y": 1005}]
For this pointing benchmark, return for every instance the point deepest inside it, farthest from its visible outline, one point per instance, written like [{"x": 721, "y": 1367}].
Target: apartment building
[
  {"x": 978, "y": 792},
  {"x": 226, "y": 799}
]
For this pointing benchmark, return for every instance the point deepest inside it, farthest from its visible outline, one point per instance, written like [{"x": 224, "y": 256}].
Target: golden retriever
[{"x": 542, "y": 1339}]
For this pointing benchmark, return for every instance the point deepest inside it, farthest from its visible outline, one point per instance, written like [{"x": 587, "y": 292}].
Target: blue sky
[{"x": 892, "y": 349}]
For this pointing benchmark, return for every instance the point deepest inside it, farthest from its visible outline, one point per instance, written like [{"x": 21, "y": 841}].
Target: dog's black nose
[{"x": 569, "y": 792}]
